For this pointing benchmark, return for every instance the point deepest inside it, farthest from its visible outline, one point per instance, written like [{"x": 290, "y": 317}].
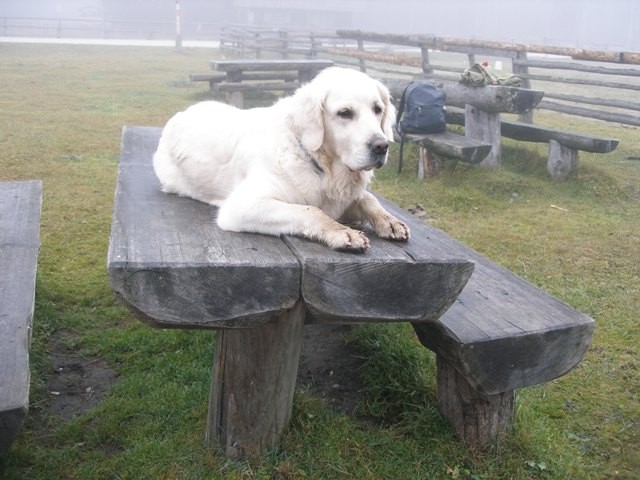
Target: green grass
[{"x": 62, "y": 109}]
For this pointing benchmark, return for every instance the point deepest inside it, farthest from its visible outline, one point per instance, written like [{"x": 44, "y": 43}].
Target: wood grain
[{"x": 20, "y": 205}]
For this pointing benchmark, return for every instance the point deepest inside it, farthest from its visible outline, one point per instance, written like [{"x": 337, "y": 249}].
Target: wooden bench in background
[
  {"x": 20, "y": 204},
  {"x": 175, "y": 268},
  {"x": 564, "y": 145},
  {"x": 482, "y": 138},
  {"x": 235, "y": 77},
  {"x": 433, "y": 147}
]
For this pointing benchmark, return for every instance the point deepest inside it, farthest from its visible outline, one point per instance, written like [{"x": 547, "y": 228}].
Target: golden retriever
[{"x": 298, "y": 167}]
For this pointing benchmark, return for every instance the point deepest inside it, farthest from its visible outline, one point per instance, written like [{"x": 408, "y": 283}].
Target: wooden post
[
  {"x": 523, "y": 72},
  {"x": 477, "y": 418},
  {"x": 429, "y": 164},
  {"x": 363, "y": 65},
  {"x": 426, "y": 66},
  {"x": 254, "y": 377},
  {"x": 484, "y": 126},
  {"x": 562, "y": 160}
]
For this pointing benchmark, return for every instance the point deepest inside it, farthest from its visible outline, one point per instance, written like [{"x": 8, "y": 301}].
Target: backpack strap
[{"x": 400, "y": 111}]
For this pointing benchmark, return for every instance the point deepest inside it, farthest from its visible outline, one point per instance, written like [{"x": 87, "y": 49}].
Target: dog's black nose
[{"x": 379, "y": 146}]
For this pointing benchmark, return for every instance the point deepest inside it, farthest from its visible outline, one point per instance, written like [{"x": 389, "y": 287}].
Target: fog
[{"x": 590, "y": 24}]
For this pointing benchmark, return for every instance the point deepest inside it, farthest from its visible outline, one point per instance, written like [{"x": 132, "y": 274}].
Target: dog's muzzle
[{"x": 378, "y": 148}]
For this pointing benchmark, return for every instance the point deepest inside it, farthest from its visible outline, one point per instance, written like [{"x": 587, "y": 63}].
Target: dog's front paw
[
  {"x": 391, "y": 228},
  {"x": 348, "y": 240}
]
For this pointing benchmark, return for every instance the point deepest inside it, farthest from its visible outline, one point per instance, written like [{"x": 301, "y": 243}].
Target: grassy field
[{"x": 62, "y": 109}]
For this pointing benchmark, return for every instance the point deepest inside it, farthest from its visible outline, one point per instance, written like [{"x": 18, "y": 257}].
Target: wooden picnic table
[
  {"x": 176, "y": 268},
  {"x": 234, "y": 77}
]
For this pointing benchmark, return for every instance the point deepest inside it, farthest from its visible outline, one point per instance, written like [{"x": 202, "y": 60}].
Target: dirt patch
[
  {"x": 330, "y": 367},
  {"x": 75, "y": 383}
]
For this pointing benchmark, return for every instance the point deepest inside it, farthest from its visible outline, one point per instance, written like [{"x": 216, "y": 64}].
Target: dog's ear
[
  {"x": 389, "y": 117},
  {"x": 305, "y": 118}
]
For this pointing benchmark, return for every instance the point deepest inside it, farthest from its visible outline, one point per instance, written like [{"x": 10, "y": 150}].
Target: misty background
[{"x": 589, "y": 24}]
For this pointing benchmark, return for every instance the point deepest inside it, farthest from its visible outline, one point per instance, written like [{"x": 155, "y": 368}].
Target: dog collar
[{"x": 313, "y": 161}]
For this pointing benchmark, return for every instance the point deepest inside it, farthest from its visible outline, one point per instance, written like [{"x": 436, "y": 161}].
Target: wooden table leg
[
  {"x": 477, "y": 418},
  {"x": 484, "y": 126},
  {"x": 254, "y": 377}
]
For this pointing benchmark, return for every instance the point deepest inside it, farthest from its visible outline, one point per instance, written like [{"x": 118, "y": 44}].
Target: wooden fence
[{"x": 596, "y": 84}]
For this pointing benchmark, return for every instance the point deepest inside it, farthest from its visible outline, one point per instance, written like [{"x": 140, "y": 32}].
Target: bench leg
[
  {"x": 236, "y": 99},
  {"x": 429, "y": 165},
  {"x": 484, "y": 126},
  {"x": 562, "y": 160},
  {"x": 477, "y": 418},
  {"x": 254, "y": 377}
]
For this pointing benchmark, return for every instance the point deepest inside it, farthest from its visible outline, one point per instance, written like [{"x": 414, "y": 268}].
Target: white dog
[{"x": 297, "y": 167}]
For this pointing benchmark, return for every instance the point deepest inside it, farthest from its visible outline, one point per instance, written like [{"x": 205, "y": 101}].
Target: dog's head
[{"x": 348, "y": 115}]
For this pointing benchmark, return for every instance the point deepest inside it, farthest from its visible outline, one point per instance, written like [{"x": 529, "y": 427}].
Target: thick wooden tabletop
[
  {"x": 253, "y": 65},
  {"x": 169, "y": 261}
]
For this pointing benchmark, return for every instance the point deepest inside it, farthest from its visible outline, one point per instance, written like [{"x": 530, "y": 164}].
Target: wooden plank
[
  {"x": 535, "y": 133},
  {"x": 207, "y": 77},
  {"x": 627, "y": 119},
  {"x": 390, "y": 282},
  {"x": 452, "y": 145},
  {"x": 20, "y": 205},
  {"x": 268, "y": 65},
  {"x": 252, "y": 76},
  {"x": 578, "y": 67},
  {"x": 492, "y": 98},
  {"x": 248, "y": 87},
  {"x": 173, "y": 264}
]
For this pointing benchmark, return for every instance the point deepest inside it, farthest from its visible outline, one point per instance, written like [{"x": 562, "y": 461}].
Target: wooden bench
[
  {"x": 235, "y": 77},
  {"x": 20, "y": 204},
  {"x": 483, "y": 106},
  {"x": 434, "y": 147},
  {"x": 563, "y": 145},
  {"x": 175, "y": 268}
]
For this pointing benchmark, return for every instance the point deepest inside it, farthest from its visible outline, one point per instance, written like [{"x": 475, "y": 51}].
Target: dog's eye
[
  {"x": 346, "y": 113},
  {"x": 377, "y": 109}
]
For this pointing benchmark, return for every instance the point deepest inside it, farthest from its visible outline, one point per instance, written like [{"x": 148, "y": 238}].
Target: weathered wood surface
[
  {"x": 502, "y": 332},
  {"x": 268, "y": 65},
  {"x": 168, "y": 259},
  {"x": 248, "y": 87},
  {"x": 484, "y": 126},
  {"x": 20, "y": 205},
  {"x": 250, "y": 76},
  {"x": 457, "y": 44},
  {"x": 452, "y": 145},
  {"x": 536, "y": 133},
  {"x": 489, "y": 98},
  {"x": 254, "y": 378},
  {"x": 628, "y": 119},
  {"x": 477, "y": 418},
  {"x": 174, "y": 265},
  {"x": 390, "y": 282}
]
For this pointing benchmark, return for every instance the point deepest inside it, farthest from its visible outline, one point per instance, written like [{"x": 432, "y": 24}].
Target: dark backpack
[{"x": 421, "y": 111}]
